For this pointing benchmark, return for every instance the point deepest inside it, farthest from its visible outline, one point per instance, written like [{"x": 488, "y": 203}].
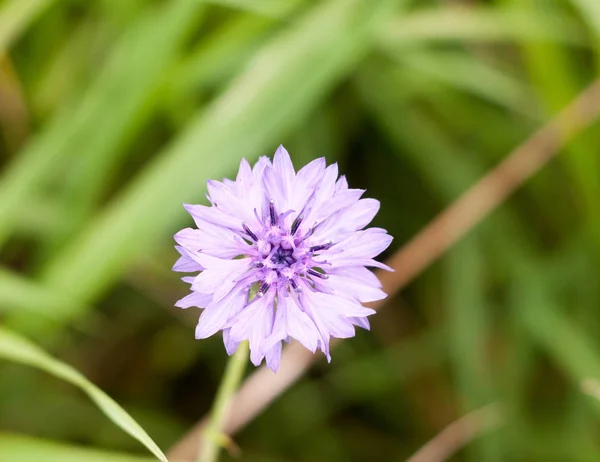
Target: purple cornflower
[{"x": 282, "y": 255}]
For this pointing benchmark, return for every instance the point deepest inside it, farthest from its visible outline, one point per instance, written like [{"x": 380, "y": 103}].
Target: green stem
[{"x": 212, "y": 436}]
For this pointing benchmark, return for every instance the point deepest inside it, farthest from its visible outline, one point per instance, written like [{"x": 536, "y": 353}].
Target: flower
[{"x": 282, "y": 255}]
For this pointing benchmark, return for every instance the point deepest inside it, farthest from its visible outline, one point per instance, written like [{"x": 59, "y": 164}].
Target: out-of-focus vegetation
[{"x": 114, "y": 112}]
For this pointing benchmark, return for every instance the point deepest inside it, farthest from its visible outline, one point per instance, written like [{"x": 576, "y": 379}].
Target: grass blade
[
  {"x": 108, "y": 113},
  {"x": 555, "y": 333},
  {"x": 16, "y": 348},
  {"x": 479, "y": 25},
  {"x": 20, "y": 293},
  {"x": 468, "y": 73},
  {"x": 590, "y": 11},
  {"x": 16, "y": 16},
  {"x": 24, "y": 448},
  {"x": 280, "y": 88}
]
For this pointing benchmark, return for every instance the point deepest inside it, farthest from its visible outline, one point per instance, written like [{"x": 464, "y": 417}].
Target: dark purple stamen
[
  {"x": 272, "y": 213},
  {"x": 317, "y": 274},
  {"x": 249, "y": 232},
  {"x": 293, "y": 284},
  {"x": 263, "y": 289},
  {"x": 325, "y": 246},
  {"x": 296, "y": 224}
]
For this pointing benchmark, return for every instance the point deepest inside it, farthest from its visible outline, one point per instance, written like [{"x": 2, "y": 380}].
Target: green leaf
[
  {"x": 267, "y": 8},
  {"x": 590, "y": 12},
  {"x": 20, "y": 293},
  {"x": 114, "y": 107},
  {"x": 555, "y": 333},
  {"x": 469, "y": 329},
  {"x": 224, "y": 50},
  {"x": 479, "y": 24},
  {"x": 14, "y": 347},
  {"x": 24, "y": 448},
  {"x": 468, "y": 73},
  {"x": 16, "y": 16},
  {"x": 556, "y": 89},
  {"x": 284, "y": 82}
]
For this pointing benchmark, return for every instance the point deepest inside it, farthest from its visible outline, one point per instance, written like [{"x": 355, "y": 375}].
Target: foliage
[{"x": 114, "y": 112}]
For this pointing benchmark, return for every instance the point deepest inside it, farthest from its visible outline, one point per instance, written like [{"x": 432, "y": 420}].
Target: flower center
[{"x": 281, "y": 257}]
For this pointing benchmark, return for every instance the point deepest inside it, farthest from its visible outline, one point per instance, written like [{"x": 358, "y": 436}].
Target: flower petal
[
  {"x": 230, "y": 345},
  {"x": 283, "y": 170},
  {"x": 202, "y": 214},
  {"x": 361, "y": 322},
  {"x": 185, "y": 263},
  {"x": 331, "y": 315},
  {"x": 305, "y": 184},
  {"x": 337, "y": 203},
  {"x": 349, "y": 286},
  {"x": 273, "y": 357},
  {"x": 212, "y": 240},
  {"x": 254, "y": 323},
  {"x": 220, "y": 276},
  {"x": 197, "y": 299},
  {"x": 291, "y": 321},
  {"x": 360, "y": 248},
  {"x": 353, "y": 218},
  {"x": 244, "y": 177},
  {"x": 216, "y": 314}
]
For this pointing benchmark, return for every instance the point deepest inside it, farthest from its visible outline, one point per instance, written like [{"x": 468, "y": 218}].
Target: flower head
[{"x": 282, "y": 255}]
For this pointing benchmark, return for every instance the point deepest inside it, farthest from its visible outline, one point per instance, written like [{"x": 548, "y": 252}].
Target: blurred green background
[{"x": 114, "y": 112}]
